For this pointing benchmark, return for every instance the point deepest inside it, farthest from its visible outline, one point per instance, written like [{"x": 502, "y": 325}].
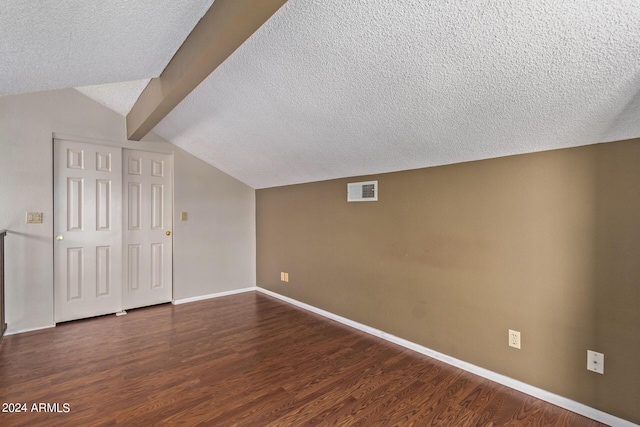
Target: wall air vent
[{"x": 362, "y": 191}]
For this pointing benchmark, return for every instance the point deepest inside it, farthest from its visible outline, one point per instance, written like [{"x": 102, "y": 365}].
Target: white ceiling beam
[{"x": 225, "y": 26}]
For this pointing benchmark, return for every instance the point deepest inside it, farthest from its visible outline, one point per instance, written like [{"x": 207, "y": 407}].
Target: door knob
[
  {"x": 168, "y": 233},
  {"x": 59, "y": 237}
]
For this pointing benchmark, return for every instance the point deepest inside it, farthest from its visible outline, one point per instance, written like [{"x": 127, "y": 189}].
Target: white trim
[
  {"x": 216, "y": 295},
  {"x": 22, "y": 331},
  {"x": 552, "y": 398}
]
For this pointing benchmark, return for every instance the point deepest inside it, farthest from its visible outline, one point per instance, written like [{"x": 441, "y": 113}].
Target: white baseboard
[
  {"x": 552, "y": 398},
  {"x": 216, "y": 295},
  {"x": 22, "y": 331}
]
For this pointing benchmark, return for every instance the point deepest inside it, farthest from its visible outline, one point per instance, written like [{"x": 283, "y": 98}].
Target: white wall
[
  {"x": 213, "y": 251},
  {"x": 215, "y": 248}
]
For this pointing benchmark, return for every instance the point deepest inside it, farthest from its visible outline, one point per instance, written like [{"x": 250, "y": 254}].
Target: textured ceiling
[
  {"x": 338, "y": 88},
  {"x": 58, "y": 44},
  {"x": 331, "y": 88},
  {"x": 119, "y": 97}
]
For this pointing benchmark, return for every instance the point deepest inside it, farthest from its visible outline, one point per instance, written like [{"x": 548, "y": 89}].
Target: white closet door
[
  {"x": 87, "y": 230},
  {"x": 148, "y": 244}
]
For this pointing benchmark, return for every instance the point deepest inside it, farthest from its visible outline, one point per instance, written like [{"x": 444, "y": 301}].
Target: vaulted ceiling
[{"x": 335, "y": 88}]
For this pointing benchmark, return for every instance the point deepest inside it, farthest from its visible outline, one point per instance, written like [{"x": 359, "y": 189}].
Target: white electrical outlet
[
  {"x": 282, "y": 276},
  {"x": 595, "y": 361},
  {"x": 514, "y": 339}
]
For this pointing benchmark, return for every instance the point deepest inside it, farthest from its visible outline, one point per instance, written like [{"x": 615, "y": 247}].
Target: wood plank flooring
[{"x": 245, "y": 360}]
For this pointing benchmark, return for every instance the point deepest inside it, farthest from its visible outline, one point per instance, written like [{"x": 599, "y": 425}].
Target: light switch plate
[
  {"x": 183, "y": 216},
  {"x": 34, "y": 217}
]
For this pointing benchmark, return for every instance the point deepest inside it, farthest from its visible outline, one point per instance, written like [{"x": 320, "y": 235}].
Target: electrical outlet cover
[
  {"x": 514, "y": 339},
  {"x": 595, "y": 361}
]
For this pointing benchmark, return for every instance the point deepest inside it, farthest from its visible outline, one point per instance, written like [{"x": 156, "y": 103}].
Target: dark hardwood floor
[{"x": 246, "y": 360}]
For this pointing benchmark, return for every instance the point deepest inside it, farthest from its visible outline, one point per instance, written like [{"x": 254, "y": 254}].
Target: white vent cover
[{"x": 362, "y": 191}]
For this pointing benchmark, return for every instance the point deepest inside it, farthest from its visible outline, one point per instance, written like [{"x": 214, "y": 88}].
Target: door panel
[
  {"x": 147, "y": 237},
  {"x": 103, "y": 205},
  {"x": 87, "y": 226}
]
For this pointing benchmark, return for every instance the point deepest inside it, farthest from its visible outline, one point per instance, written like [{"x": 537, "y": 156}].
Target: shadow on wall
[
  {"x": 25, "y": 246},
  {"x": 616, "y": 272}
]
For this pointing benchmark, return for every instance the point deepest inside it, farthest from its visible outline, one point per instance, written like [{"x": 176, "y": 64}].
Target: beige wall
[
  {"x": 214, "y": 251},
  {"x": 452, "y": 257}
]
